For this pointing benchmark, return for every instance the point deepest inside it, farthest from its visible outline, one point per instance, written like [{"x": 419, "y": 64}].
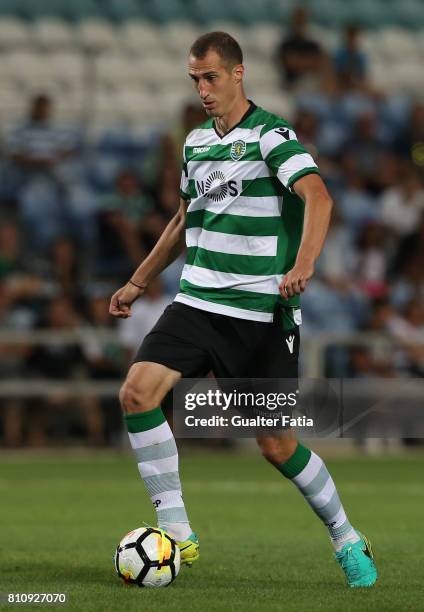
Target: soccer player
[{"x": 253, "y": 214}]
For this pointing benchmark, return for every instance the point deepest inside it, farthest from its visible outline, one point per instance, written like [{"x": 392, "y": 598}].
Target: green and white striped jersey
[{"x": 244, "y": 222}]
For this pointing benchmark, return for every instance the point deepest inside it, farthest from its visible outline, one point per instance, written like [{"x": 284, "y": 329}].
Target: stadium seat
[
  {"x": 28, "y": 68},
  {"x": 157, "y": 71},
  {"x": 97, "y": 35},
  {"x": 178, "y": 36},
  {"x": 396, "y": 42},
  {"x": 14, "y": 34},
  {"x": 263, "y": 39},
  {"x": 69, "y": 69},
  {"x": 53, "y": 34},
  {"x": 124, "y": 10},
  {"x": 115, "y": 71},
  {"x": 171, "y": 10},
  {"x": 142, "y": 38},
  {"x": 205, "y": 11}
]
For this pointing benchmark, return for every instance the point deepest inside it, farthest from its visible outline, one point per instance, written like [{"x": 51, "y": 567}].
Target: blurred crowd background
[{"x": 95, "y": 103}]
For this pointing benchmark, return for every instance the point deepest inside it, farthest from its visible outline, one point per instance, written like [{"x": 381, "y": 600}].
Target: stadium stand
[{"x": 114, "y": 72}]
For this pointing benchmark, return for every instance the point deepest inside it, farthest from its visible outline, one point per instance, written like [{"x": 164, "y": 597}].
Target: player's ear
[{"x": 238, "y": 73}]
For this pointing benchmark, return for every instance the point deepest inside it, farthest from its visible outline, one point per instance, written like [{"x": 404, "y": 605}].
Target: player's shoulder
[
  {"x": 271, "y": 122},
  {"x": 196, "y": 133}
]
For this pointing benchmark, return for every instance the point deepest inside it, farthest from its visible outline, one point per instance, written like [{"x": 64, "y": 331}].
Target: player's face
[{"x": 215, "y": 83}]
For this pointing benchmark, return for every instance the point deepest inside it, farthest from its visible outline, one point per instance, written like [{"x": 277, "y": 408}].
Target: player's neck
[{"x": 225, "y": 123}]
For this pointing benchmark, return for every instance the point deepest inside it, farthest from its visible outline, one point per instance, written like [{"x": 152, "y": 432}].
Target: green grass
[{"x": 262, "y": 548}]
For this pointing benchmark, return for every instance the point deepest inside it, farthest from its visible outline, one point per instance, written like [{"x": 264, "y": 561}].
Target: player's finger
[
  {"x": 282, "y": 289},
  {"x": 302, "y": 284}
]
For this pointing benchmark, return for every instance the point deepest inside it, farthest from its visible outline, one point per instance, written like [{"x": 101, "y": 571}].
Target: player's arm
[
  {"x": 169, "y": 246},
  {"x": 318, "y": 205}
]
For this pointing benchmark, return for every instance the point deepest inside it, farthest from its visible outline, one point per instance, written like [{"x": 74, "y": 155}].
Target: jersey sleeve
[
  {"x": 184, "y": 184},
  {"x": 286, "y": 157}
]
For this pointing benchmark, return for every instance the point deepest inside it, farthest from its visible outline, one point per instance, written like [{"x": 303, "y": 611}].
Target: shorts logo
[
  {"x": 238, "y": 149},
  {"x": 290, "y": 343}
]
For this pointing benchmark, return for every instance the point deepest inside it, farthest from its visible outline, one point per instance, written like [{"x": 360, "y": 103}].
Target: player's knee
[
  {"x": 136, "y": 397},
  {"x": 277, "y": 450}
]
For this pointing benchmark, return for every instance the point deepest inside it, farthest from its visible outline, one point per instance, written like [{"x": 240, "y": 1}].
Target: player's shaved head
[{"x": 222, "y": 43}]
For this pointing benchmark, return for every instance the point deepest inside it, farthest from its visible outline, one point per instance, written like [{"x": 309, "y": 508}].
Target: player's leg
[
  {"x": 153, "y": 442},
  {"x": 279, "y": 359},
  {"x": 309, "y": 473},
  {"x": 175, "y": 347}
]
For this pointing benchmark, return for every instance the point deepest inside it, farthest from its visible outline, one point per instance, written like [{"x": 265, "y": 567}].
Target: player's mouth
[{"x": 209, "y": 105}]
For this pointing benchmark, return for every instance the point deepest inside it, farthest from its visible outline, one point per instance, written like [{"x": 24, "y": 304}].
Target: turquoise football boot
[{"x": 357, "y": 562}]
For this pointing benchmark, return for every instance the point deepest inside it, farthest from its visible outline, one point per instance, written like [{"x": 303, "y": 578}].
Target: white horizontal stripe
[
  {"x": 241, "y": 170},
  {"x": 245, "y": 134},
  {"x": 157, "y": 466},
  {"x": 269, "y": 206},
  {"x": 232, "y": 244},
  {"x": 201, "y": 137},
  {"x": 229, "y": 311},
  {"x": 323, "y": 497},
  {"x": 169, "y": 499},
  {"x": 208, "y": 136},
  {"x": 224, "y": 280},
  {"x": 151, "y": 436},
  {"x": 309, "y": 472},
  {"x": 273, "y": 139},
  {"x": 293, "y": 165}
]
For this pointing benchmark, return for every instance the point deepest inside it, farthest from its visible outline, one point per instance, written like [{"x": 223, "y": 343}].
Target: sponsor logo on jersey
[
  {"x": 157, "y": 503},
  {"x": 216, "y": 187},
  {"x": 198, "y": 150},
  {"x": 238, "y": 149}
]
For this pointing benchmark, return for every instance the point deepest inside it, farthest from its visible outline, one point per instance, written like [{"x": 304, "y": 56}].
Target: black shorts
[{"x": 196, "y": 342}]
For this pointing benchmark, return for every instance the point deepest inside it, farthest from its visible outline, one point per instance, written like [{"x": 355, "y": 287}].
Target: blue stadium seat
[
  {"x": 171, "y": 10},
  {"x": 124, "y": 10}
]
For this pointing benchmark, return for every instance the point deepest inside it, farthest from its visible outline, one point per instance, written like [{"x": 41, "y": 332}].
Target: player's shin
[
  {"x": 154, "y": 446},
  {"x": 309, "y": 473}
]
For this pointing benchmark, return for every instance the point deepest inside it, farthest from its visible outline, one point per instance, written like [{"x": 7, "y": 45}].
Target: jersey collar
[{"x": 247, "y": 114}]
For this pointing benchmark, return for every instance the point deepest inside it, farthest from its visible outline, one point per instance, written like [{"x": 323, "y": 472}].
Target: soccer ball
[{"x": 147, "y": 557}]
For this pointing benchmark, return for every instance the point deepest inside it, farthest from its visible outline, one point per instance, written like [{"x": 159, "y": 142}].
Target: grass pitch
[{"x": 262, "y": 548}]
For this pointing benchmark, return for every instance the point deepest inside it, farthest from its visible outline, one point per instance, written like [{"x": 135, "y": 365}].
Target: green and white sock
[
  {"x": 308, "y": 472},
  {"x": 154, "y": 446}
]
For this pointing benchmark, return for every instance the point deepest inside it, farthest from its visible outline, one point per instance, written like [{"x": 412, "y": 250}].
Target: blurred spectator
[
  {"x": 105, "y": 358},
  {"x": 350, "y": 61},
  {"x": 408, "y": 329},
  {"x": 59, "y": 361},
  {"x": 192, "y": 115},
  {"x": 298, "y": 53},
  {"x": 119, "y": 221},
  {"x": 403, "y": 204},
  {"x": 371, "y": 261},
  {"x": 410, "y": 142},
  {"x": 167, "y": 193},
  {"x": 366, "y": 148},
  {"x": 357, "y": 205},
  {"x": 37, "y": 148}
]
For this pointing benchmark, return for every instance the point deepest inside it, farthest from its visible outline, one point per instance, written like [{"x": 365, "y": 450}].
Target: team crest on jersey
[{"x": 238, "y": 149}]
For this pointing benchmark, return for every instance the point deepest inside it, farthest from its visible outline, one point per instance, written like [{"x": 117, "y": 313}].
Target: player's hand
[
  {"x": 294, "y": 282},
  {"x": 121, "y": 301}
]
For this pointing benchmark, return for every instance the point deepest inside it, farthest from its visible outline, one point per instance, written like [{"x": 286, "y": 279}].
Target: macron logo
[{"x": 290, "y": 343}]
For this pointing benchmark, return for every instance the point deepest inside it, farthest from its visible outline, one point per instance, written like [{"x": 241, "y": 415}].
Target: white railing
[{"x": 313, "y": 359}]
